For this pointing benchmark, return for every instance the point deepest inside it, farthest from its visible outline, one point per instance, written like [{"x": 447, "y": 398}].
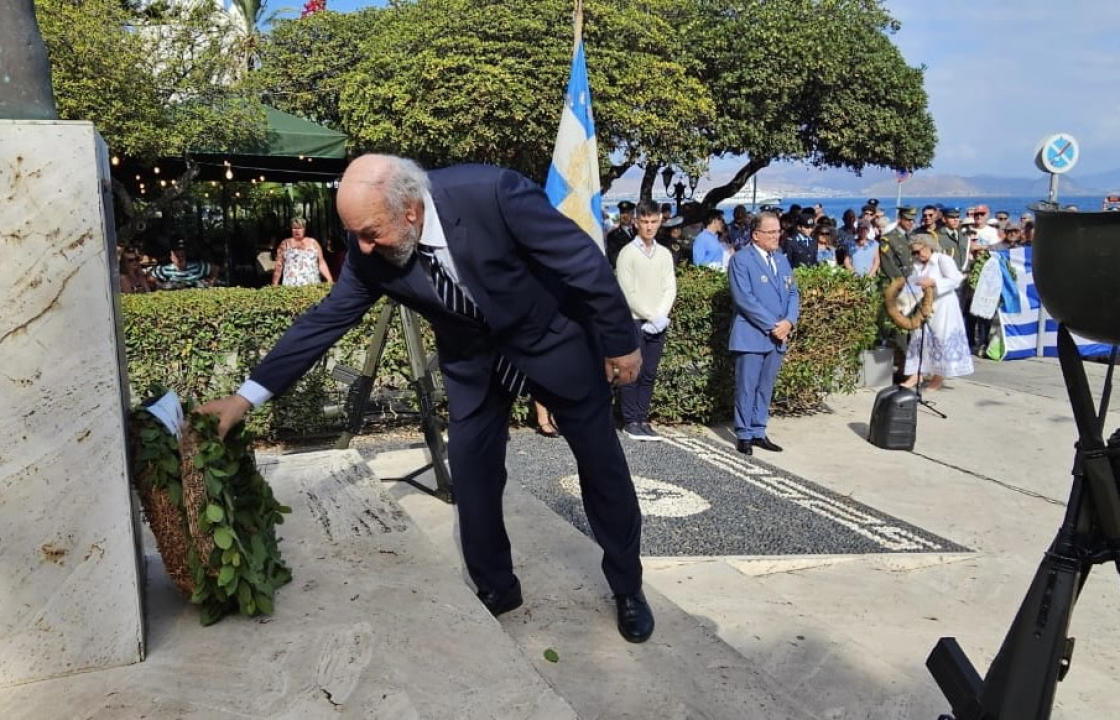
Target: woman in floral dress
[{"x": 299, "y": 259}]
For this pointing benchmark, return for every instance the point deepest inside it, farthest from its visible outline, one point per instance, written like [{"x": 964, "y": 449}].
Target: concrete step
[
  {"x": 374, "y": 625},
  {"x": 684, "y": 671}
]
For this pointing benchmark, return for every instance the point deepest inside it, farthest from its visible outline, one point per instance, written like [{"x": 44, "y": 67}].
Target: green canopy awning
[
  {"x": 292, "y": 150},
  {"x": 291, "y": 136}
]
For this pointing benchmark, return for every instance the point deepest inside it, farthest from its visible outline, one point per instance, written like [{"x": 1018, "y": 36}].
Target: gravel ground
[{"x": 702, "y": 498}]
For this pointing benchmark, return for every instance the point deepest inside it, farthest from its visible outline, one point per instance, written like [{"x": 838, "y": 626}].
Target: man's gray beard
[{"x": 400, "y": 255}]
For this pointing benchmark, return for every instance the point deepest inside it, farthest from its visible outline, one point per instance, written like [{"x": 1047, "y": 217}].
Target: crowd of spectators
[{"x": 931, "y": 247}]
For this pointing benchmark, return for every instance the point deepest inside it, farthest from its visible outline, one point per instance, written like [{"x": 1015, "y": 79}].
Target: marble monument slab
[{"x": 69, "y": 581}]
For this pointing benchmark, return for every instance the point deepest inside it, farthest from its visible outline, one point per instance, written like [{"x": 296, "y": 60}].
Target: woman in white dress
[{"x": 941, "y": 343}]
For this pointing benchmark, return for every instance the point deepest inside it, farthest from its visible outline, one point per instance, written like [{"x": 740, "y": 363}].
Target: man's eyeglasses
[
  {"x": 768, "y": 232},
  {"x": 981, "y": 212},
  {"x": 915, "y": 251}
]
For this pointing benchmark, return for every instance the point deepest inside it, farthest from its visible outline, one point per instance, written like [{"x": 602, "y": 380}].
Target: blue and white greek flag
[
  {"x": 1020, "y": 330},
  {"x": 573, "y": 177}
]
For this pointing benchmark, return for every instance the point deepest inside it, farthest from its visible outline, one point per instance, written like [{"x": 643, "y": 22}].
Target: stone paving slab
[
  {"x": 683, "y": 672},
  {"x": 993, "y": 476},
  {"x": 374, "y": 625}
]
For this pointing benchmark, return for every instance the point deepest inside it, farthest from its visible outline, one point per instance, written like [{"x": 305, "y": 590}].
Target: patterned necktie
[
  {"x": 510, "y": 378},
  {"x": 773, "y": 267}
]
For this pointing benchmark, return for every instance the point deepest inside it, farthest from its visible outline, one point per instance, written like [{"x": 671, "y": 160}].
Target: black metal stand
[
  {"x": 918, "y": 385},
  {"x": 1036, "y": 652},
  {"x": 921, "y": 350},
  {"x": 423, "y": 383}
]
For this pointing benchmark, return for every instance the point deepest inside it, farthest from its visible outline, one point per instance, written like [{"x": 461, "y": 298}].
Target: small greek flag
[
  {"x": 573, "y": 178},
  {"x": 1020, "y": 330}
]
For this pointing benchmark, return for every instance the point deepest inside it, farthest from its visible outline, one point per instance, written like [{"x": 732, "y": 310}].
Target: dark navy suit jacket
[{"x": 552, "y": 305}]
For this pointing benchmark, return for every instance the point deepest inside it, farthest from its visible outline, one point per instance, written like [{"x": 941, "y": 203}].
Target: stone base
[
  {"x": 69, "y": 588},
  {"x": 876, "y": 367}
]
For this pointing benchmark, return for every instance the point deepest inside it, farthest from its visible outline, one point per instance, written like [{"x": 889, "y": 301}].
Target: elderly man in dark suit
[
  {"x": 766, "y": 304},
  {"x": 519, "y": 298}
]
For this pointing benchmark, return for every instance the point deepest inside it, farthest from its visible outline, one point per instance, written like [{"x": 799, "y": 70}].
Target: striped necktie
[
  {"x": 773, "y": 267},
  {"x": 510, "y": 378}
]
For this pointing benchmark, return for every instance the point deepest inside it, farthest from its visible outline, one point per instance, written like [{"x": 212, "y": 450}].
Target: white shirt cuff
[{"x": 255, "y": 393}]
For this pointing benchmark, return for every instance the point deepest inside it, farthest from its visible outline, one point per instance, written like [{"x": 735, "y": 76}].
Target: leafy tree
[
  {"x": 812, "y": 80},
  {"x": 156, "y": 82},
  {"x": 304, "y": 63},
  {"x": 448, "y": 81}
]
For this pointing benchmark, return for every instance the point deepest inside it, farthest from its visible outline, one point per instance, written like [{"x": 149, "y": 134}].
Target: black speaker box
[{"x": 894, "y": 419}]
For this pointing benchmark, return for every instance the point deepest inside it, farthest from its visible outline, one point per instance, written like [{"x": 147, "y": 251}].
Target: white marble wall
[{"x": 69, "y": 588}]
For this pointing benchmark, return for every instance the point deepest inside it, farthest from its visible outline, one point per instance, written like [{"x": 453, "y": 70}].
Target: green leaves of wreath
[{"x": 238, "y": 513}]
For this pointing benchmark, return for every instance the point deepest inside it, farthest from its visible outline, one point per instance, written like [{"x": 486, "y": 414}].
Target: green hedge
[
  {"x": 203, "y": 343},
  {"x": 696, "y": 378}
]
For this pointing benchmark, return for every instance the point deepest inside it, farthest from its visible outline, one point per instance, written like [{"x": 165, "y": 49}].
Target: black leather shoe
[
  {"x": 766, "y": 444},
  {"x": 744, "y": 446},
  {"x": 635, "y": 619},
  {"x": 502, "y": 602}
]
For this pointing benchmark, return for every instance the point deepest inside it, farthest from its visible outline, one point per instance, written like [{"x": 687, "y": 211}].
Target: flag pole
[
  {"x": 573, "y": 185},
  {"x": 577, "y": 24}
]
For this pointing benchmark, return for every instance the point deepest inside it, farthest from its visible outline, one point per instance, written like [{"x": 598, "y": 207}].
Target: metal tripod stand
[
  {"x": 423, "y": 383},
  {"x": 1036, "y": 652}
]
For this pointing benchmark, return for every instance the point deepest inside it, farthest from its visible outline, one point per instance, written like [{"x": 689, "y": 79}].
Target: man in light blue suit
[{"x": 766, "y": 303}]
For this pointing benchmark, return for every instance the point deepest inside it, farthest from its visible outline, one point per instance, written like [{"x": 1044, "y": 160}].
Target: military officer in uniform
[
  {"x": 621, "y": 236},
  {"x": 895, "y": 245},
  {"x": 953, "y": 239}
]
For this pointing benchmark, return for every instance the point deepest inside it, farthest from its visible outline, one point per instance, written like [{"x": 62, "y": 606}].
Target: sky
[{"x": 1002, "y": 74}]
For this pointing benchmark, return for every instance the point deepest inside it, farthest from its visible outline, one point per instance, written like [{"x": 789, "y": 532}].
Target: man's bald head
[{"x": 381, "y": 200}]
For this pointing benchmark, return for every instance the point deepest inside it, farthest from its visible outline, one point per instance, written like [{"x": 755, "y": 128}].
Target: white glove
[{"x": 656, "y": 325}]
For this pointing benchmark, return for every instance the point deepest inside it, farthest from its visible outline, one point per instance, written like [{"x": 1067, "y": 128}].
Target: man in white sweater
[{"x": 645, "y": 273}]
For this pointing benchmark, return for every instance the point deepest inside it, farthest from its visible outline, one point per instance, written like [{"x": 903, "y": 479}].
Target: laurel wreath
[
  {"x": 921, "y": 312},
  {"x": 212, "y": 513}
]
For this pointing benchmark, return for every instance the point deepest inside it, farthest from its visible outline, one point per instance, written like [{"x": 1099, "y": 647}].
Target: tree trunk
[
  {"x": 718, "y": 194},
  {"x": 649, "y": 177},
  {"x": 614, "y": 173},
  {"x": 136, "y": 223}
]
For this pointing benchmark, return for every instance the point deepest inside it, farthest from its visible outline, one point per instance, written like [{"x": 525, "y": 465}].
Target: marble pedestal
[{"x": 69, "y": 580}]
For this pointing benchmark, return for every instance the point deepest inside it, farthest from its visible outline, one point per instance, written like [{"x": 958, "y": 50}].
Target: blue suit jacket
[
  {"x": 551, "y": 303},
  {"x": 760, "y": 300}
]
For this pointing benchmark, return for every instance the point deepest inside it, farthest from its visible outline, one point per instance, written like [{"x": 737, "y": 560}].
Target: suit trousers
[
  {"x": 635, "y": 397},
  {"x": 477, "y": 453},
  {"x": 755, "y": 374}
]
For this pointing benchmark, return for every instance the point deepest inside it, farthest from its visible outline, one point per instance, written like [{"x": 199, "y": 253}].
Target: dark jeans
[
  {"x": 635, "y": 397},
  {"x": 978, "y": 329}
]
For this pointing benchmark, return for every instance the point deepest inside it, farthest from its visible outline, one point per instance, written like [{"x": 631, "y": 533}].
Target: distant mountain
[
  {"x": 986, "y": 185},
  {"x": 791, "y": 180},
  {"x": 1105, "y": 182}
]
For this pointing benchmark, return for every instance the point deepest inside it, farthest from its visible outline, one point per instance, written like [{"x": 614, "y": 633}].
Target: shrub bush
[
  {"x": 203, "y": 343},
  {"x": 696, "y": 378}
]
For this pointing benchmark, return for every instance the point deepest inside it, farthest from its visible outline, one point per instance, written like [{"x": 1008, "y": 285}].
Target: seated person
[{"x": 179, "y": 272}]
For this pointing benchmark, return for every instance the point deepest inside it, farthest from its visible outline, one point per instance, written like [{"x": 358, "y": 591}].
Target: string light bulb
[
  {"x": 229, "y": 174},
  {"x": 156, "y": 169},
  {"x": 115, "y": 161}
]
